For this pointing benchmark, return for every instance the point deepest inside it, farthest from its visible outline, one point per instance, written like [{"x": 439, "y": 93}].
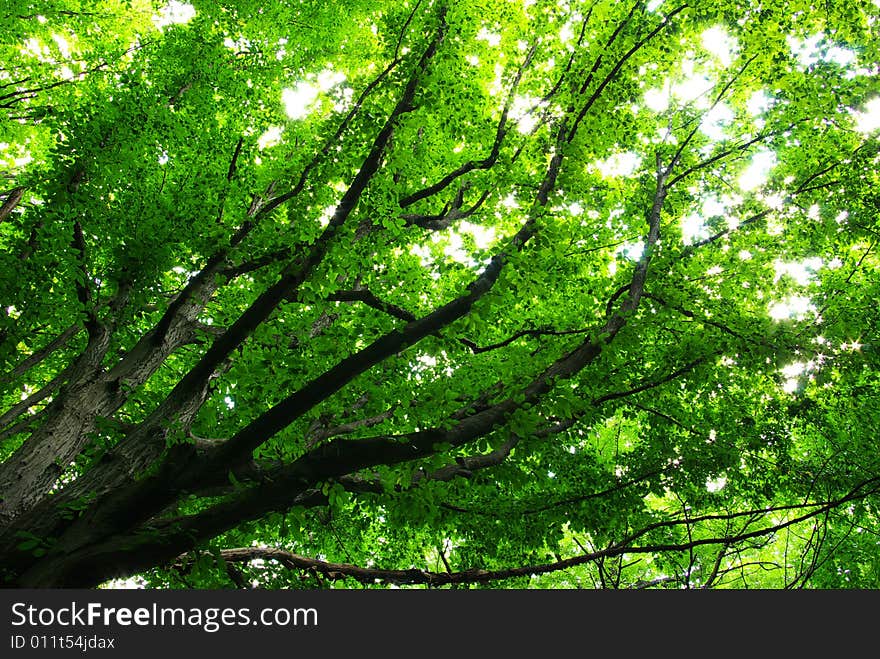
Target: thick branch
[
  {"x": 12, "y": 200},
  {"x": 141, "y": 500},
  {"x": 293, "y": 275},
  {"x": 321, "y": 434},
  {"x": 40, "y": 395},
  {"x": 141, "y": 447},
  {"x": 39, "y": 355},
  {"x": 83, "y": 290}
]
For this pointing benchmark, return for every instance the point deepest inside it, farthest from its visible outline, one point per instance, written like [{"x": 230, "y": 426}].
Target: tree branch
[
  {"x": 39, "y": 355},
  {"x": 650, "y": 385},
  {"x": 368, "y": 298},
  {"x": 488, "y": 161},
  {"x": 612, "y": 74},
  {"x": 140, "y": 448},
  {"x": 13, "y": 197},
  {"x": 373, "y": 576},
  {"x": 449, "y": 215}
]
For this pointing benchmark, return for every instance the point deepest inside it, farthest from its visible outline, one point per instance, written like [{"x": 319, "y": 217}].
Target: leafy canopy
[{"x": 492, "y": 292}]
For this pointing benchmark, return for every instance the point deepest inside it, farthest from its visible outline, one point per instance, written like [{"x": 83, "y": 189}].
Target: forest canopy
[{"x": 484, "y": 293}]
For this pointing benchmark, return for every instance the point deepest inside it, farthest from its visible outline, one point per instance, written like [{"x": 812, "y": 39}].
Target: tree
[{"x": 476, "y": 293}]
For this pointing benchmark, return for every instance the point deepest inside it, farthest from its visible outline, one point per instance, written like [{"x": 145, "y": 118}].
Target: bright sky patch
[
  {"x": 720, "y": 44},
  {"x": 693, "y": 229},
  {"x": 757, "y": 172},
  {"x": 716, "y": 484},
  {"x": 619, "y": 164},
  {"x": 813, "y": 49},
  {"x": 868, "y": 120},
  {"x": 298, "y": 100},
  {"x": 491, "y": 38},
  {"x": 271, "y": 137},
  {"x": 174, "y": 13},
  {"x": 715, "y": 120},
  {"x": 520, "y": 112},
  {"x": 794, "y": 307},
  {"x": 802, "y": 272}
]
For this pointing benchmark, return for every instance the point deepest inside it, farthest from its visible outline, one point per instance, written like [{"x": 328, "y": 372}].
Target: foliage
[{"x": 486, "y": 293}]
